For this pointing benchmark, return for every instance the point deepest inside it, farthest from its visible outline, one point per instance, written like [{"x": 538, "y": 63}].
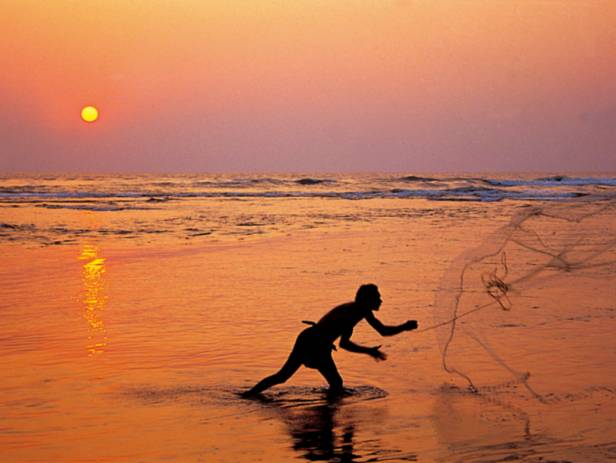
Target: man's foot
[
  {"x": 336, "y": 392},
  {"x": 249, "y": 394}
]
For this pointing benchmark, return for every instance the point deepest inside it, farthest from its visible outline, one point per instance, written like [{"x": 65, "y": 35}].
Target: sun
[{"x": 89, "y": 114}]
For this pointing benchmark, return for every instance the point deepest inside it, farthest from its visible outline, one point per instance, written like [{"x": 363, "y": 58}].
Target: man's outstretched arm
[
  {"x": 347, "y": 344},
  {"x": 385, "y": 330}
]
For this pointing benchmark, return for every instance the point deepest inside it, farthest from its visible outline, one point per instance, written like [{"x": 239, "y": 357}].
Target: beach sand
[{"x": 114, "y": 351}]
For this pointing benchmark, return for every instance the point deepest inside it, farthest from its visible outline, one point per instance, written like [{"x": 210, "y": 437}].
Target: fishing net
[{"x": 534, "y": 306}]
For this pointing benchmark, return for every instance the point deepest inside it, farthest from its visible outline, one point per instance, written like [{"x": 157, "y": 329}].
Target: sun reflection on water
[{"x": 94, "y": 298}]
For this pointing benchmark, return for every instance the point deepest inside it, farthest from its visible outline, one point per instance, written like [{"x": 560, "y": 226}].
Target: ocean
[
  {"x": 136, "y": 308},
  {"x": 189, "y": 207}
]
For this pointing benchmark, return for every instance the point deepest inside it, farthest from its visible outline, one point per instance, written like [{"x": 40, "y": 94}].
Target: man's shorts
[{"x": 312, "y": 349}]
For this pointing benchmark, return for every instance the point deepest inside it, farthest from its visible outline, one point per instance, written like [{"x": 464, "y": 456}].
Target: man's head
[{"x": 368, "y": 295}]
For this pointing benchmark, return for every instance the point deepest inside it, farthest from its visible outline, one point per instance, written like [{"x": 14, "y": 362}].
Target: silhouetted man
[{"x": 313, "y": 347}]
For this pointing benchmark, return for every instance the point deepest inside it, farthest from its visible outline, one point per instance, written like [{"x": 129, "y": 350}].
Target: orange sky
[{"x": 194, "y": 85}]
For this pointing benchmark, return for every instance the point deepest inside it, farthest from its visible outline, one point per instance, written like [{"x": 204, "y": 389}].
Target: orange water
[{"x": 122, "y": 352}]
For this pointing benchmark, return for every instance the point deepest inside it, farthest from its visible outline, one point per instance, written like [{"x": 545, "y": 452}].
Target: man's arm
[
  {"x": 385, "y": 330},
  {"x": 347, "y": 344}
]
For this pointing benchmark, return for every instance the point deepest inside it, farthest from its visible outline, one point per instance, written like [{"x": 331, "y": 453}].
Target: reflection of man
[
  {"x": 313, "y": 347},
  {"x": 322, "y": 433},
  {"x": 312, "y": 432}
]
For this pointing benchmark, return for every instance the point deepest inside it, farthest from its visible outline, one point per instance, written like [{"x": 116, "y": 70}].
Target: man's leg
[
  {"x": 287, "y": 370},
  {"x": 330, "y": 373}
]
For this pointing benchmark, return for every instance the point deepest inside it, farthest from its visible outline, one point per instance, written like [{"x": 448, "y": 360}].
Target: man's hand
[
  {"x": 376, "y": 354},
  {"x": 410, "y": 325}
]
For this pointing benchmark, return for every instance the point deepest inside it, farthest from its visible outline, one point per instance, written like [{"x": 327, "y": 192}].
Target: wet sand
[{"x": 121, "y": 352}]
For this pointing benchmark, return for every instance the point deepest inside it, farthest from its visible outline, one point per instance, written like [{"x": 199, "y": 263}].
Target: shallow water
[{"x": 119, "y": 343}]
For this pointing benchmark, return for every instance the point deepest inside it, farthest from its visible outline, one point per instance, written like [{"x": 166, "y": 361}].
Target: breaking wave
[{"x": 551, "y": 188}]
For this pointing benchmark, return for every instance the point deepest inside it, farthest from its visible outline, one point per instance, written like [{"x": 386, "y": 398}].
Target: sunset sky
[{"x": 308, "y": 85}]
